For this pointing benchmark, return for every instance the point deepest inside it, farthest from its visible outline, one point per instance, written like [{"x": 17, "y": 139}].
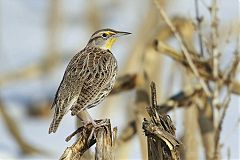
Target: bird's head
[{"x": 105, "y": 38}]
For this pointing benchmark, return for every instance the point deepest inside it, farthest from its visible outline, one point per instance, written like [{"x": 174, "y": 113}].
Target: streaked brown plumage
[{"x": 89, "y": 77}]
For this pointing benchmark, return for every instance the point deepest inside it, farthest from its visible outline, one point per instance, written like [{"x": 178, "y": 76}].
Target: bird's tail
[{"x": 55, "y": 123}]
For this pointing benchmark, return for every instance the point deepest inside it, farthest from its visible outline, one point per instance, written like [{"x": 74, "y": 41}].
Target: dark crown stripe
[{"x": 101, "y": 30}]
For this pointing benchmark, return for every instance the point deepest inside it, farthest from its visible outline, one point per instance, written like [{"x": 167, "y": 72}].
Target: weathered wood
[
  {"x": 154, "y": 149},
  {"x": 160, "y": 132},
  {"x": 103, "y": 136},
  {"x": 104, "y": 145},
  {"x": 81, "y": 145}
]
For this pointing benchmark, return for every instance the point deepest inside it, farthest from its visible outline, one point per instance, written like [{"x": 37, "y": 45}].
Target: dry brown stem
[
  {"x": 231, "y": 73},
  {"x": 219, "y": 127},
  {"x": 214, "y": 39},
  {"x": 160, "y": 132},
  {"x": 184, "y": 48},
  {"x": 204, "y": 67},
  {"x": 191, "y": 136},
  {"x": 199, "y": 29},
  {"x": 143, "y": 61},
  {"x": 215, "y": 54},
  {"x": 205, "y": 71}
]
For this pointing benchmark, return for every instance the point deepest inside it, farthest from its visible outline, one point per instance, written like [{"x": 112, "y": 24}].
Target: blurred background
[{"x": 38, "y": 39}]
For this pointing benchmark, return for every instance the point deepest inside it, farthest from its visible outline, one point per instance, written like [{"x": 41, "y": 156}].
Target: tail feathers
[
  {"x": 60, "y": 111},
  {"x": 55, "y": 123}
]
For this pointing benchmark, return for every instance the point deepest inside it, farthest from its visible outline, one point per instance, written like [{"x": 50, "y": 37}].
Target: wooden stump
[
  {"x": 103, "y": 136},
  {"x": 160, "y": 132}
]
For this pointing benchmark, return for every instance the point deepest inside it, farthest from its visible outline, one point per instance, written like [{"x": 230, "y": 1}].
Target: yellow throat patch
[{"x": 109, "y": 43}]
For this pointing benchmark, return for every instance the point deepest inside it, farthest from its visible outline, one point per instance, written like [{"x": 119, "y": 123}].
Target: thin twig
[
  {"x": 199, "y": 29},
  {"x": 230, "y": 74},
  {"x": 219, "y": 127},
  {"x": 184, "y": 49},
  {"x": 204, "y": 67},
  {"x": 214, "y": 50}
]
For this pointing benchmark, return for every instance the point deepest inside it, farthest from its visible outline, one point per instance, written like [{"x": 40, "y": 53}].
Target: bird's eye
[{"x": 104, "y": 35}]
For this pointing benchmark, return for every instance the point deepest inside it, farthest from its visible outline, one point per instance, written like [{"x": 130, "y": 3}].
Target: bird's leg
[
  {"x": 82, "y": 122},
  {"x": 95, "y": 125},
  {"x": 91, "y": 119},
  {"x": 85, "y": 118}
]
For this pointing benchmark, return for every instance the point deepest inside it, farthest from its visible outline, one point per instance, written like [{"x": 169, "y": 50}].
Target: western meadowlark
[{"x": 88, "y": 79}]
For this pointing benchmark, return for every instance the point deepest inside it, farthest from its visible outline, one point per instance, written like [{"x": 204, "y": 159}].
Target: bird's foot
[{"x": 96, "y": 126}]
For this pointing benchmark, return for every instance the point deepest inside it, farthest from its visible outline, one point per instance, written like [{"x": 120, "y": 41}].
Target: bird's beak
[{"x": 119, "y": 34}]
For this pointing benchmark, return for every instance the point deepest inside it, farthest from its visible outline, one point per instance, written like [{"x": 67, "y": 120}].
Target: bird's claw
[{"x": 95, "y": 127}]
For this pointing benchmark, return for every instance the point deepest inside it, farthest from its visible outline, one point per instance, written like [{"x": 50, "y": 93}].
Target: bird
[{"x": 88, "y": 78}]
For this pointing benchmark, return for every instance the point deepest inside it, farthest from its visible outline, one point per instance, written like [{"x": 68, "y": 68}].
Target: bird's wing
[
  {"x": 70, "y": 87},
  {"x": 71, "y": 83},
  {"x": 102, "y": 66}
]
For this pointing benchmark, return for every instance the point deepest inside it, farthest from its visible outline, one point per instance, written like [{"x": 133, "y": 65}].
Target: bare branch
[
  {"x": 105, "y": 142},
  {"x": 184, "y": 49},
  {"x": 160, "y": 132},
  {"x": 199, "y": 29},
  {"x": 81, "y": 145},
  {"x": 204, "y": 67},
  {"x": 219, "y": 127}
]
